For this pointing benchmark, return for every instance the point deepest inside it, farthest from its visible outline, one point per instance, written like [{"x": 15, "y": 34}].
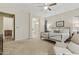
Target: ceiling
[{"x": 32, "y": 8}]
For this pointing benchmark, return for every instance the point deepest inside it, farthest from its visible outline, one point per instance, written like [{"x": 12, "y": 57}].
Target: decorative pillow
[{"x": 75, "y": 38}]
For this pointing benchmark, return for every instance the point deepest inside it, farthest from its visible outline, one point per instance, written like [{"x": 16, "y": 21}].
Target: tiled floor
[{"x": 28, "y": 47}]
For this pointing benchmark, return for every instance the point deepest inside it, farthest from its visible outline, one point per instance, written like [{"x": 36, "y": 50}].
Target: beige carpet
[{"x": 28, "y": 47}]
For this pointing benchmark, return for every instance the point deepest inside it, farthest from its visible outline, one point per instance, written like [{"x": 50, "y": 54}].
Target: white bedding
[{"x": 57, "y": 36}]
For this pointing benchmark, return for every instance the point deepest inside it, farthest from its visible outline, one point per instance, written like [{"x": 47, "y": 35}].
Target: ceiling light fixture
[{"x": 46, "y": 7}]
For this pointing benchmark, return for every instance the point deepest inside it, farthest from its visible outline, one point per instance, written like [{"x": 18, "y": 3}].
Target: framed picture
[{"x": 60, "y": 24}]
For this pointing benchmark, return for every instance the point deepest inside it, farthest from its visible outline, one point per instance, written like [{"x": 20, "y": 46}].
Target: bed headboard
[{"x": 60, "y": 30}]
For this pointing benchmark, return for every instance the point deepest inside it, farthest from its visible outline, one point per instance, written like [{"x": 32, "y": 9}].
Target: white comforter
[{"x": 57, "y": 36}]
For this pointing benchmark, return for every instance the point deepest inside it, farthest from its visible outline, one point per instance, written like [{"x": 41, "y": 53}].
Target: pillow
[
  {"x": 75, "y": 38},
  {"x": 74, "y": 48}
]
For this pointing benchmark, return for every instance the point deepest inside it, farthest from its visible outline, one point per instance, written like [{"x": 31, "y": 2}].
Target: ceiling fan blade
[
  {"x": 49, "y": 9},
  {"x": 52, "y": 4}
]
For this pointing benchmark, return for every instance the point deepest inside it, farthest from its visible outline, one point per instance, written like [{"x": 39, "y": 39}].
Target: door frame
[{"x": 13, "y": 16}]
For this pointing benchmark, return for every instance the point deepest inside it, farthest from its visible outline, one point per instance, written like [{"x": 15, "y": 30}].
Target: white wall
[
  {"x": 67, "y": 17},
  {"x": 21, "y": 21},
  {"x": 22, "y": 26},
  {"x": 42, "y": 22}
]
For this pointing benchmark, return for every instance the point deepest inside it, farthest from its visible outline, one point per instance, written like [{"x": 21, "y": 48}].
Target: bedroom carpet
[{"x": 28, "y": 47}]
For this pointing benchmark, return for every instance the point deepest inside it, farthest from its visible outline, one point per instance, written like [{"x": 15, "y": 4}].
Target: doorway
[
  {"x": 35, "y": 28},
  {"x": 8, "y": 26}
]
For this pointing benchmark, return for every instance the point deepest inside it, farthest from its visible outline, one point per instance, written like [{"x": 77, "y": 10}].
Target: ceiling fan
[{"x": 47, "y": 6}]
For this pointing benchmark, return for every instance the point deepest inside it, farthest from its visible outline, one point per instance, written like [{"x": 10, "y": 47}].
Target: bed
[{"x": 57, "y": 34}]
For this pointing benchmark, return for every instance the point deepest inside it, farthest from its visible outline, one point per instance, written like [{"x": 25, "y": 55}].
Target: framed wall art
[{"x": 59, "y": 23}]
